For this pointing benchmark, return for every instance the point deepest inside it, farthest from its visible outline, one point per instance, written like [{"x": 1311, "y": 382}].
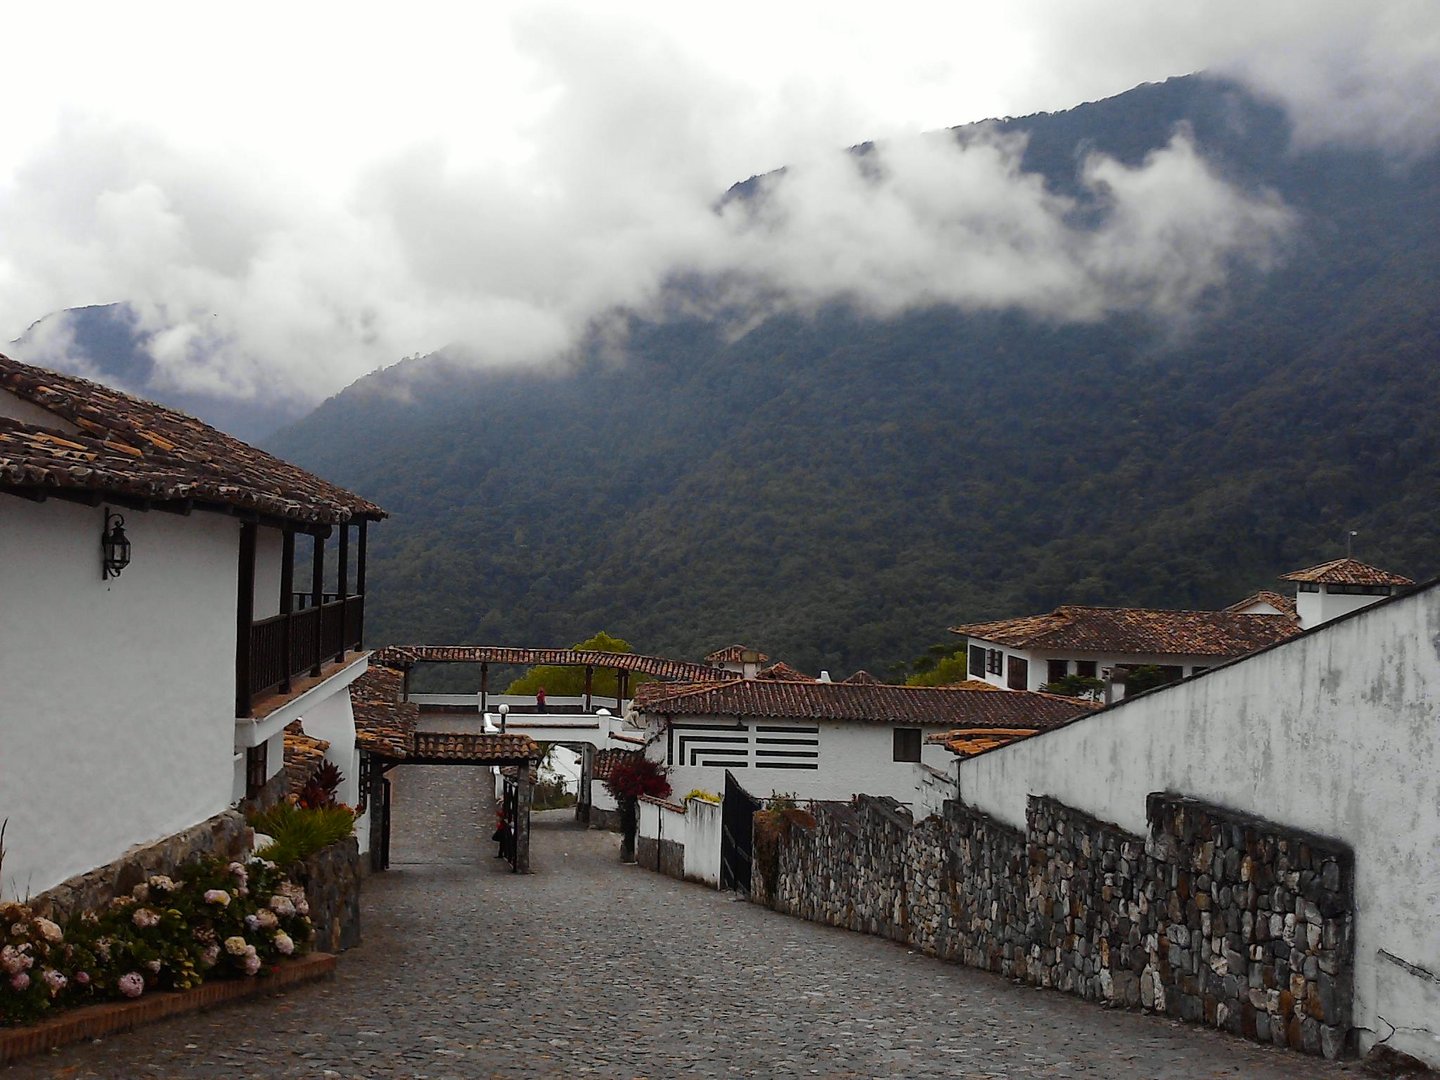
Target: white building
[
  {"x": 1339, "y": 587},
  {"x": 1334, "y": 732},
  {"x": 821, "y": 740},
  {"x": 138, "y": 701},
  {"x": 1027, "y": 653}
]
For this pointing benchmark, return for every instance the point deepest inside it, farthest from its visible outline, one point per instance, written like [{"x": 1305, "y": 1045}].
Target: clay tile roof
[
  {"x": 861, "y": 678},
  {"x": 384, "y": 725},
  {"x": 131, "y": 449},
  {"x": 475, "y": 747},
  {"x": 784, "y": 673},
  {"x": 407, "y": 656},
  {"x": 1346, "y": 572},
  {"x": 966, "y": 742},
  {"x": 605, "y": 761},
  {"x": 951, "y": 706},
  {"x": 734, "y": 654},
  {"x": 303, "y": 755},
  {"x": 1279, "y": 601},
  {"x": 1137, "y": 630}
]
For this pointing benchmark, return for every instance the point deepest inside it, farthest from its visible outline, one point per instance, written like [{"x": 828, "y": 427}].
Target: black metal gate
[{"x": 737, "y": 825}]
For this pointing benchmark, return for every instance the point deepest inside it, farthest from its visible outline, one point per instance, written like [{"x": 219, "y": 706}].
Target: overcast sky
[{"x": 295, "y": 194}]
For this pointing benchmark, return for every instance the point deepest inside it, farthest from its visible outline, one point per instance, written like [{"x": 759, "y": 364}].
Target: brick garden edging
[{"x": 116, "y": 1017}]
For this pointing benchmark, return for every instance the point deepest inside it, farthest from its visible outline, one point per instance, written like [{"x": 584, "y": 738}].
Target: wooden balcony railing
[{"x": 300, "y": 642}]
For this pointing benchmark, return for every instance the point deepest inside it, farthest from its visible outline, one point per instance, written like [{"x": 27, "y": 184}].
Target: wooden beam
[
  {"x": 342, "y": 587},
  {"x": 244, "y": 617},
  {"x": 317, "y": 591},
  {"x": 287, "y": 599}
]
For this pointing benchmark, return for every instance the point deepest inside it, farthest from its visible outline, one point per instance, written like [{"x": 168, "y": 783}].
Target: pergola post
[
  {"x": 622, "y": 689},
  {"x": 589, "y": 683},
  {"x": 484, "y": 686},
  {"x": 521, "y": 825}
]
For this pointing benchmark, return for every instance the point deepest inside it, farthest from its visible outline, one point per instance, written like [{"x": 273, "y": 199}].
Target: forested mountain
[{"x": 837, "y": 490}]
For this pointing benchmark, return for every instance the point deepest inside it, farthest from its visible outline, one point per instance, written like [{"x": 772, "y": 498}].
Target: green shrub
[
  {"x": 297, "y": 833},
  {"x": 703, "y": 795}
]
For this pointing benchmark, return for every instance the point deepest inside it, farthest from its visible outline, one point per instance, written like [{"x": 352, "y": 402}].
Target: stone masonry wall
[
  {"x": 225, "y": 835},
  {"x": 1216, "y": 917},
  {"x": 331, "y": 879},
  {"x": 664, "y": 856}
]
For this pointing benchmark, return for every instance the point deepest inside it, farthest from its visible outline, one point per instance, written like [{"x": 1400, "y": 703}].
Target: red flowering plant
[{"x": 633, "y": 777}]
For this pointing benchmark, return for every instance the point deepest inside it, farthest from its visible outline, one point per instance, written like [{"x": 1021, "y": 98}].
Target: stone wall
[
  {"x": 664, "y": 856},
  {"x": 331, "y": 879},
  {"x": 1214, "y": 917},
  {"x": 225, "y": 835}
]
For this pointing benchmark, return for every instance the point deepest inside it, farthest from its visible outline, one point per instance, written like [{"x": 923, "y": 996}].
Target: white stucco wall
[
  {"x": 117, "y": 698},
  {"x": 853, "y": 758},
  {"x": 1335, "y": 732},
  {"x": 1315, "y": 608},
  {"x": 1038, "y": 672},
  {"x": 269, "y": 544},
  {"x": 702, "y": 841},
  {"x": 26, "y": 412}
]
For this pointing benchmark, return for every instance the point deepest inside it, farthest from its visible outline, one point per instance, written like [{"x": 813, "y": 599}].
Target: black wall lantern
[{"x": 114, "y": 546}]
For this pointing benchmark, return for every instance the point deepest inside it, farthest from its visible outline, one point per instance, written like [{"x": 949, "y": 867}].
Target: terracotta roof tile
[
  {"x": 407, "y": 656},
  {"x": 955, "y": 707},
  {"x": 1279, "y": 601},
  {"x": 734, "y": 654},
  {"x": 137, "y": 450},
  {"x": 475, "y": 747},
  {"x": 784, "y": 673},
  {"x": 303, "y": 755},
  {"x": 384, "y": 725},
  {"x": 605, "y": 761},
  {"x": 1346, "y": 572},
  {"x": 966, "y": 742},
  {"x": 1136, "y": 630}
]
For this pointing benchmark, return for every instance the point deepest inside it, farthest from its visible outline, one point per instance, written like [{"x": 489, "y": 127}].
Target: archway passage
[{"x": 387, "y": 735}]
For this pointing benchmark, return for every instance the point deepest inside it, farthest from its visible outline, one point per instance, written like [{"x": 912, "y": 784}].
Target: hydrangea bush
[{"x": 218, "y": 920}]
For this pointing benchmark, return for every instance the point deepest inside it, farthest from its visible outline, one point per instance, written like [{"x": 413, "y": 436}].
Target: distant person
[{"x": 540, "y": 699}]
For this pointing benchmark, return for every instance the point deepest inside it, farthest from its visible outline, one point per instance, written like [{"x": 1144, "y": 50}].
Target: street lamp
[{"x": 114, "y": 546}]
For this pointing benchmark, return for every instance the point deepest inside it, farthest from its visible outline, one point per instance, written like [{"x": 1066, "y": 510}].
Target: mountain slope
[{"x": 838, "y": 489}]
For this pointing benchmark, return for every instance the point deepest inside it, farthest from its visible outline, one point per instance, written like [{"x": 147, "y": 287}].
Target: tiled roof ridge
[
  {"x": 1285, "y": 604},
  {"x": 783, "y": 671},
  {"x": 1154, "y": 631},
  {"x": 1346, "y": 571},
  {"x": 146, "y": 450},
  {"x": 406, "y": 656},
  {"x": 733, "y": 653}
]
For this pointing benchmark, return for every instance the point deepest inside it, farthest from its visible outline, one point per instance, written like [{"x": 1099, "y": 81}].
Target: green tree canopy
[{"x": 570, "y": 681}]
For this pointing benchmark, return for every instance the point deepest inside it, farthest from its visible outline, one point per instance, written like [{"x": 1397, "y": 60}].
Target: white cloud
[{"x": 323, "y": 201}]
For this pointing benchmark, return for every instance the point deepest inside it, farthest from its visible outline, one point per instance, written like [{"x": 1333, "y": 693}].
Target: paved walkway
[{"x": 588, "y": 968}]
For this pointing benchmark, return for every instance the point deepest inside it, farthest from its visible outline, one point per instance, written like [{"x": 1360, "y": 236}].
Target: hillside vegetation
[{"x": 837, "y": 490}]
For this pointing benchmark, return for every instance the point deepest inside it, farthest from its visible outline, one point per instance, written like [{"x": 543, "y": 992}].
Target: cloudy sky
[{"x": 292, "y": 195}]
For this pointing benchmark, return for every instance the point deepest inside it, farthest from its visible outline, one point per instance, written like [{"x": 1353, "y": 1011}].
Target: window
[
  {"x": 1086, "y": 668},
  {"x": 907, "y": 744},
  {"x": 976, "y": 666},
  {"x": 1361, "y": 590},
  {"x": 1198, "y": 668},
  {"x": 1019, "y": 676},
  {"x": 1307, "y": 586},
  {"x": 1055, "y": 670},
  {"x": 257, "y": 769},
  {"x": 995, "y": 662}
]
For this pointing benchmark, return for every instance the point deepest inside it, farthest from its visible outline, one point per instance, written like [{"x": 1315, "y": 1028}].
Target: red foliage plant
[{"x": 638, "y": 775}]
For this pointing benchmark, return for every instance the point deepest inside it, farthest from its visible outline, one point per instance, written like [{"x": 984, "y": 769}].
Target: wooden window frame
[{"x": 905, "y": 742}]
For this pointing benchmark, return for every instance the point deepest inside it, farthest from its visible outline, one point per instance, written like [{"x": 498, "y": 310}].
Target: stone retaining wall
[
  {"x": 225, "y": 835},
  {"x": 664, "y": 856},
  {"x": 1215, "y": 917},
  {"x": 331, "y": 879}
]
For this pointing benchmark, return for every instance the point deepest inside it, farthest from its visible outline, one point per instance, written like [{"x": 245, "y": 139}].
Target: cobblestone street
[{"x": 591, "y": 968}]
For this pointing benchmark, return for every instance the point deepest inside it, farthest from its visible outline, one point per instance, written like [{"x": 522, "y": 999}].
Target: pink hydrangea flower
[
  {"x": 19, "y": 981},
  {"x": 82, "y": 978},
  {"x": 236, "y": 945},
  {"x": 282, "y": 905},
  {"x": 252, "y": 964},
  {"x": 50, "y": 931},
  {"x": 154, "y": 965},
  {"x": 144, "y": 918},
  {"x": 54, "y": 981},
  {"x": 284, "y": 944},
  {"x": 131, "y": 984},
  {"x": 217, "y": 896}
]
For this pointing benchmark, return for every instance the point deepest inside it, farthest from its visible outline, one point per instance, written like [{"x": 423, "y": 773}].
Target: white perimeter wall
[
  {"x": 117, "y": 698},
  {"x": 854, "y": 759},
  {"x": 1335, "y": 732},
  {"x": 702, "y": 843}
]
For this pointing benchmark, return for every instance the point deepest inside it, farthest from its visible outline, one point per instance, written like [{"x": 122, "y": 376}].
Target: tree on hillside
[
  {"x": 939, "y": 665},
  {"x": 570, "y": 681}
]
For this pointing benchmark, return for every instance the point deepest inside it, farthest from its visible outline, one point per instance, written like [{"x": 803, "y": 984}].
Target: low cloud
[{"x": 254, "y": 280}]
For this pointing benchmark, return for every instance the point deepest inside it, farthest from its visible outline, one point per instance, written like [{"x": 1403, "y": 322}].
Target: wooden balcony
[{"x": 284, "y": 647}]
